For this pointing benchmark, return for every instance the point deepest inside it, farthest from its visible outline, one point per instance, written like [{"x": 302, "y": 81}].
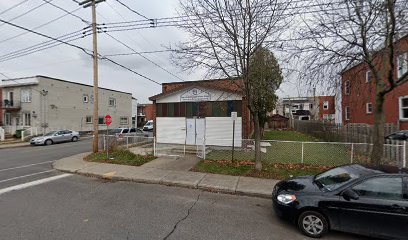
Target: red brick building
[
  {"x": 327, "y": 108},
  {"x": 145, "y": 112},
  {"x": 358, "y": 92},
  {"x": 187, "y": 112}
]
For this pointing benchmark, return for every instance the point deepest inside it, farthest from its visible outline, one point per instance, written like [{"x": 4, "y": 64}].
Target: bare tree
[
  {"x": 224, "y": 35},
  {"x": 348, "y": 32}
]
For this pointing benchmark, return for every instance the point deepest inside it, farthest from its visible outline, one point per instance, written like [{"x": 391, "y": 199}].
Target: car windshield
[
  {"x": 50, "y": 133},
  {"x": 113, "y": 131},
  {"x": 148, "y": 123},
  {"x": 338, "y": 177}
]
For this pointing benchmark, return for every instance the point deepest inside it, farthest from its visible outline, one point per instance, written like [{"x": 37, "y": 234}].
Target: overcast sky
[{"x": 72, "y": 64}]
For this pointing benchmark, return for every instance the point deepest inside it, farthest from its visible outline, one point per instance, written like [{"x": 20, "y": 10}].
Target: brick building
[
  {"x": 145, "y": 112},
  {"x": 359, "y": 89},
  {"x": 327, "y": 108},
  {"x": 188, "y": 112},
  {"x": 1, "y": 109}
]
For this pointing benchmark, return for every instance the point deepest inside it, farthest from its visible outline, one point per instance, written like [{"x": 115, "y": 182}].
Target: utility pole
[{"x": 92, "y": 3}]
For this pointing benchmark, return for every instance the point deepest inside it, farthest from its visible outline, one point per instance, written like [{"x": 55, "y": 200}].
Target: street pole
[{"x": 92, "y": 3}]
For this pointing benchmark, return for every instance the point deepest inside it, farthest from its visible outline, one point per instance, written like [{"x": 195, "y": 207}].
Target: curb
[{"x": 173, "y": 184}]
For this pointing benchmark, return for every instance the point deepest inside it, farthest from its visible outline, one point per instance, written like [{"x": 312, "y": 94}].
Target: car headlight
[{"x": 286, "y": 198}]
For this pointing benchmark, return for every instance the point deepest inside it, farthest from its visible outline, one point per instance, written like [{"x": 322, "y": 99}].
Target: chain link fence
[
  {"x": 313, "y": 153},
  {"x": 139, "y": 144}
]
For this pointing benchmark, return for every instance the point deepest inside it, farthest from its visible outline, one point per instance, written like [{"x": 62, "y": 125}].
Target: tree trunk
[
  {"x": 258, "y": 163},
  {"x": 378, "y": 131}
]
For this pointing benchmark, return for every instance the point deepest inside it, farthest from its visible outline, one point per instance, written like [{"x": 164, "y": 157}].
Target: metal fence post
[
  {"x": 127, "y": 142},
  {"x": 404, "y": 155},
  {"x": 104, "y": 143},
  {"x": 352, "y": 153},
  {"x": 303, "y": 151},
  {"x": 154, "y": 147}
]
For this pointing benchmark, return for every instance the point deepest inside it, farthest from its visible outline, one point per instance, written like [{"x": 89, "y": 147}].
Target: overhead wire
[{"x": 14, "y": 6}]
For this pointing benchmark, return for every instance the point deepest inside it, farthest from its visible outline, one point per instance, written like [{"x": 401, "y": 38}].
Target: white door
[
  {"x": 200, "y": 131},
  {"x": 195, "y": 131},
  {"x": 191, "y": 135}
]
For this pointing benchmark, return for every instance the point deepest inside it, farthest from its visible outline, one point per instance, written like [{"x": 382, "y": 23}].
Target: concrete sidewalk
[{"x": 210, "y": 182}]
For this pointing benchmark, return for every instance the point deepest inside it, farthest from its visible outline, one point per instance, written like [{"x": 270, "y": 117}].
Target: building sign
[{"x": 195, "y": 95}]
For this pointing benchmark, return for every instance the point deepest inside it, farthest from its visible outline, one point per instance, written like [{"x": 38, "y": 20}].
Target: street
[{"x": 77, "y": 207}]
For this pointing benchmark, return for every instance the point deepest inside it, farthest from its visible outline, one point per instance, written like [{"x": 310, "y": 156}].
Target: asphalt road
[
  {"x": 25, "y": 164},
  {"x": 37, "y": 202},
  {"x": 77, "y": 207}
]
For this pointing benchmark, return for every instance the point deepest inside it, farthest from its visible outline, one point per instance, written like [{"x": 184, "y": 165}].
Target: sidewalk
[
  {"x": 14, "y": 145},
  {"x": 209, "y": 182}
]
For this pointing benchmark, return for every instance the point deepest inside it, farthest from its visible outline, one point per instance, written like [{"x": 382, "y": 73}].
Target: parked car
[
  {"x": 55, "y": 137},
  {"x": 148, "y": 126},
  {"x": 120, "y": 132},
  {"x": 359, "y": 199},
  {"x": 400, "y": 135}
]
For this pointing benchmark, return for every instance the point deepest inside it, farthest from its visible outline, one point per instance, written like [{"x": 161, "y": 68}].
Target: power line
[
  {"x": 138, "y": 53},
  {"x": 39, "y": 26},
  {"x": 27, "y": 12},
  {"x": 69, "y": 13},
  {"x": 130, "y": 9},
  {"x": 86, "y": 51},
  {"x": 14, "y": 6}
]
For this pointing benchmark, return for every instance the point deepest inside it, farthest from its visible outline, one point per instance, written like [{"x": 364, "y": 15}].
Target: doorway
[{"x": 195, "y": 131}]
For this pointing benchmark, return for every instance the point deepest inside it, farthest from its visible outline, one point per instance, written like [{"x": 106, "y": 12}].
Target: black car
[
  {"x": 400, "y": 135},
  {"x": 359, "y": 199}
]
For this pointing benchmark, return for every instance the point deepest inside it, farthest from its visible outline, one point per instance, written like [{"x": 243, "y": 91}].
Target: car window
[
  {"x": 125, "y": 130},
  {"x": 337, "y": 177},
  {"x": 67, "y": 132},
  {"x": 133, "y": 130},
  {"x": 405, "y": 188},
  {"x": 380, "y": 187},
  {"x": 50, "y": 133}
]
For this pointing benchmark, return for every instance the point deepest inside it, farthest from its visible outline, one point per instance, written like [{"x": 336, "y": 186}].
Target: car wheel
[
  {"x": 313, "y": 224},
  {"x": 48, "y": 142},
  {"x": 74, "y": 139}
]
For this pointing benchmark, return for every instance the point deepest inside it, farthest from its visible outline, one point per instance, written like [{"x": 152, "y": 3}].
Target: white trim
[
  {"x": 400, "y": 108},
  {"x": 326, "y": 105},
  {"x": 368, "y": 110},
  {"x": 371, "y": 76},
  {"x": 347, "y": 115},
  {"x": 347, "y": 87}
]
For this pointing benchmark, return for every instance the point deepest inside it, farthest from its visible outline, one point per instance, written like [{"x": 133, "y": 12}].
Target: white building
[{"x": 48, "y": 103}]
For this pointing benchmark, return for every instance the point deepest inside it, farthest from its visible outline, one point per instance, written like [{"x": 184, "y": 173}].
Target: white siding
[
  {"x": 171, "y": 130},
  {"x": 219, "y": 131},
  {"x": 215, "y": 95}
]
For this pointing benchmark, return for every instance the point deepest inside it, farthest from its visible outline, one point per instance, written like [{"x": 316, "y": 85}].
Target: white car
[
  {"x": 148, "y": 126},
  {"x": 55, "y": 137}
]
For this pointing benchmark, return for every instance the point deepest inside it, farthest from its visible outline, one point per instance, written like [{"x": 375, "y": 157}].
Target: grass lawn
[
  {"x": 290, "y": 152},
  {"x": 287, "y": 135},
  {"x": 123, "y": 157},
  {"x": 269, "y": 170}
]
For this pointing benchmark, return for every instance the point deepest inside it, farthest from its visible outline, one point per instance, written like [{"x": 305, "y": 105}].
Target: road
[
  {"x": 26, "y": 164},
  {"x": 54, "y": 205}
]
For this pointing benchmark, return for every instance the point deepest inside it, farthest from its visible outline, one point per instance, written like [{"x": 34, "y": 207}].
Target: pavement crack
[{"x": 184, "y": 218}]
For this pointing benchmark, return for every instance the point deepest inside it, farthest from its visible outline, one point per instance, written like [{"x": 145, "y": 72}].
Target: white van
[{"x": 148, "y": 126}]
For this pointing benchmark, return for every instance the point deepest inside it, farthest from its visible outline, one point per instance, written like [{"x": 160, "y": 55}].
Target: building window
[
  {"x": 404, "y": 108},
  {"x": 311, "y": 106},
  {"x": 88, "y": 119},
  {"x": 402, "y": 64},
  {"x": 101, "y": 120},
  {"x": 347, "y": 113},
  {"x": 27, "y": 119},
  {"x": 325, "y": 117},
  {"x": 124, "y": 120},
  {"x": 85, "y": 98},
  {"x": 368, "y": 76},
  {"x": 112, "y": 102},
  {"x": 326, "y": 105},
  {"x": 26, "y": 95},
  {"x": 369, "y": 108},
  {"x": 347, "y": 87}
]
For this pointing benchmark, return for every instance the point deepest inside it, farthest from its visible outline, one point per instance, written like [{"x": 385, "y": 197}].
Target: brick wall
[
  {"x": 330, "y": 110},
  {"x": 1, "y": 104},
  {"x": 362, "y": 92}
]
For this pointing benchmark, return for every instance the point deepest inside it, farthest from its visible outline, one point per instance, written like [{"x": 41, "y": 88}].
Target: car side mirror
[{"x": 349, "y": 194}]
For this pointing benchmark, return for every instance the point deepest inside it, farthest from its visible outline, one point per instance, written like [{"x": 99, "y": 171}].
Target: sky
[{"x": 68, "y": 63}]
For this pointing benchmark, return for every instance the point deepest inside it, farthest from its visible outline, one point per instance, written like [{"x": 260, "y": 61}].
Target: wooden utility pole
[{"x": 92, "y": 3}]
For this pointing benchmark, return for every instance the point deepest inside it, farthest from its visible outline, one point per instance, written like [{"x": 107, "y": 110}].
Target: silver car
[{"x": 56, "y": 137}]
